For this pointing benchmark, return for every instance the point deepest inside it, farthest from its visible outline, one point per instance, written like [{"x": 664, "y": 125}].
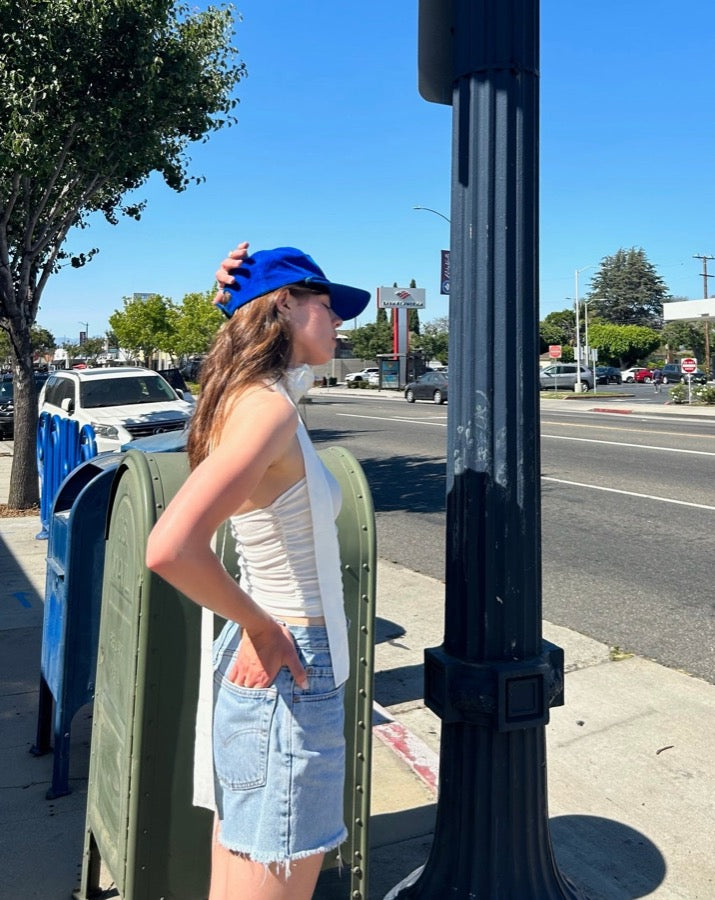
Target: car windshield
[
  {"x": 124, "y": 391},
  {"x": 5, "y": 391}
]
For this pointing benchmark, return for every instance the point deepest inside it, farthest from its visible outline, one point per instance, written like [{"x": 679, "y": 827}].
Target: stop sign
[
  {"x": 555, "y": 351},
  {"x": 689, "y": 365}
]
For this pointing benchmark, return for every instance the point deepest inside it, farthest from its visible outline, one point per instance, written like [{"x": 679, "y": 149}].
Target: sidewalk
[{"x": 630, "y": 756}]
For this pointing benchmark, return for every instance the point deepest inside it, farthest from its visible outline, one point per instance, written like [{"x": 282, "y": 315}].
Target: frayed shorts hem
[{"x": 286, "y": 861}]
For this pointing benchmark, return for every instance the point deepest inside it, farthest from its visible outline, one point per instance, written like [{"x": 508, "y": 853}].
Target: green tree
[
  {"x": 43, "y": 341},
  {"x": 73, "y": 351},
  {"x": 627, "y": 290},
  {"x": 558, "y": 328},
  {"x": 94, "y": 97},
  {"x": 145, "y": 325},
  {"x": 623, "y": 343},
  {"x": 413, "y": 322},
  {"x": 370, "y": 340},
  {"x": 92, "y": 348},
  {"x": 433, "y": 340},
  {"x": 197, "y": 321},
  {"x": 685, "y": 335}
]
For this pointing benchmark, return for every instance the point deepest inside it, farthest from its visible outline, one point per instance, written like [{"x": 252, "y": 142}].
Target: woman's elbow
[{"x": 161, "y": 554}]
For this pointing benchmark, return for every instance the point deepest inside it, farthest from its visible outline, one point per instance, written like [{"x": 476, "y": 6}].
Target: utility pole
[
  {"x": 706, "y": 320},
  {"x": 493, "y": 679}
]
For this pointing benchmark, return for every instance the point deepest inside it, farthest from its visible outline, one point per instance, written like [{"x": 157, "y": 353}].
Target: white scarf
[{"x": 327, "y": 559}]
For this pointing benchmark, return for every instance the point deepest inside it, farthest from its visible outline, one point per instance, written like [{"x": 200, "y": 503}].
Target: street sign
[
  {"x": 689, "y": 365},
  {"x": 555, "y": 351}
]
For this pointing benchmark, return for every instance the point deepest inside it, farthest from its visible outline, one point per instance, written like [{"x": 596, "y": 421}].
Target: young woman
[{"x": 281, "y": 661}]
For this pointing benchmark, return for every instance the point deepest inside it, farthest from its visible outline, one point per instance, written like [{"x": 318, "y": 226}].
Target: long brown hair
[{"x": 253, "y": 347}]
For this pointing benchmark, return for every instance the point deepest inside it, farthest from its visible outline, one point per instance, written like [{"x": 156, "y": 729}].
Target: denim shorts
[{"x": 279, "y": 755}]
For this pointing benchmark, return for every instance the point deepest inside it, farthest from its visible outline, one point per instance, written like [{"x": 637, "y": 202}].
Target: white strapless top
[{"x": 276, "y": 552}]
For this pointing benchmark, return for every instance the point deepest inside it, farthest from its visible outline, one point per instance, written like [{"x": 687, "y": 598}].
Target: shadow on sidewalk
[{"x": 607, "y": 859}]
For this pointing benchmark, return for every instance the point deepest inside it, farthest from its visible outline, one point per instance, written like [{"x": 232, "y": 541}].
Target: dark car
[
  {"x": 177, "y": 381},
  {"x": 430, "y": 386},
  {"x": 7, "y": 403},
  {"x": 608, "y": 375},
  {"x": 672, "y": 374}
]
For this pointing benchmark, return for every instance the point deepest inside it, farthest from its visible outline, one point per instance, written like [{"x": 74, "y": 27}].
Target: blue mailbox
[{"x": 73, "y": 597}]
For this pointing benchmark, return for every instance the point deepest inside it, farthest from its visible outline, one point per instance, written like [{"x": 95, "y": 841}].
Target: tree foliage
[
  {"x": 558, "y": 328},
  {"x": 94, "y": 97},
  {"x": 433, "y": 340},
  {"x": 195, "y": 326},
  {"x": 371, "y": 340},
  {"x": 685, "y": 336},
  {"x": 626, "y": 344},
  {"x": 627, "y": 290},
  {"x": 145, "y": 325}
]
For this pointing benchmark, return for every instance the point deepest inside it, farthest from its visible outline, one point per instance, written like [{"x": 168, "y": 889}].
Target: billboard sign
[{"x": 400, "y": 298}]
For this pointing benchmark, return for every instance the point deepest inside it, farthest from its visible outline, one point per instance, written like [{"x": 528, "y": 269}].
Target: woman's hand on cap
[{"x": 230, "y": 264}]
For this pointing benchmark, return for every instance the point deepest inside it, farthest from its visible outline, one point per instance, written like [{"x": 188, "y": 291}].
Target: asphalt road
[{"x": 628, "y": 514}]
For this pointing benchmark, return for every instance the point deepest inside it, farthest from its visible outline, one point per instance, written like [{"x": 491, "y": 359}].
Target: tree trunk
[{"x": 24, "y": 485}]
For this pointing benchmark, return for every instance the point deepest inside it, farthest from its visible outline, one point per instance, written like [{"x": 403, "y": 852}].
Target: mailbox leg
[
  {"x": 61, "y": 763},
  {"x": 91, "y": 868},
  {"x": 44, "y": 721}
]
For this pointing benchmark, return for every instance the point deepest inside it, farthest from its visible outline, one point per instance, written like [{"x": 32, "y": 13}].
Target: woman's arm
[{"x": 257, "y": 434}]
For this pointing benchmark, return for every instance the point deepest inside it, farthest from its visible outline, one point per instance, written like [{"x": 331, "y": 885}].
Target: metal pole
[
  {"x": 589, "y": 361},
  {"x": 493, "y": 679},
  {"x": 578, "y": 335}
]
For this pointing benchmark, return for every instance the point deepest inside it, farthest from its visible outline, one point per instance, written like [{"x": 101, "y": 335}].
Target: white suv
[
  {"x": 371, "y": 375},
  {"x": 121, "y": 404}
]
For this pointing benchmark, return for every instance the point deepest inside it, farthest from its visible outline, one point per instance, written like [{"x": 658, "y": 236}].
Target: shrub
[{"x": 703, "y": 394}]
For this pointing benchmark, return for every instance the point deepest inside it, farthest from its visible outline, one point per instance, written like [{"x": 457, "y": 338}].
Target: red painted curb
[
  {"x": 412, "y": 750},
  {"x": 607, "y": 409}
]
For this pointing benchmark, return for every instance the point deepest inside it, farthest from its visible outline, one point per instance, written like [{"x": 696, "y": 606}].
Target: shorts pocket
[{"x": 241, "y": 734}]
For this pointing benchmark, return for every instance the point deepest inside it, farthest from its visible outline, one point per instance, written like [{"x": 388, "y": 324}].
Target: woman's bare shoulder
[{"x": 260, "y": 407}]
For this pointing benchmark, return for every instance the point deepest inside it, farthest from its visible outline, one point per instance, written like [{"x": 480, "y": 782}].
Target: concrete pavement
[{"x": 631, "y": 778}]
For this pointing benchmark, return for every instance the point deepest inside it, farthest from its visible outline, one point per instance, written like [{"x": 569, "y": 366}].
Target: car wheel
[
  {"x": 647, "y": 380},
  {"x": 665, "y": 379},
  {"x": 630, "y": 379},
  {"x": 410, "y": 396},
  {"x": 619, "y": 381},
  {"x": 437, "y": 397}
]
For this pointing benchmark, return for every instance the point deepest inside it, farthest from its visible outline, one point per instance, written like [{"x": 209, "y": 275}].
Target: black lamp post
[{"x": 493, "y": 679}]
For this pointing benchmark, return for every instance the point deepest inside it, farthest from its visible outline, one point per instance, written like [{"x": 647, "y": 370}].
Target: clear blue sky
[{"x": 334, "y": 147}]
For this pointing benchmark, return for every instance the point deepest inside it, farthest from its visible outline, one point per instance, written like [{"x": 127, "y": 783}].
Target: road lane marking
[
  {"x": 564, "y": 437},
  {"x": 393, "y": 419},
  {"x": 609, "y": 490},
  {"x": 679, "y": 434}
]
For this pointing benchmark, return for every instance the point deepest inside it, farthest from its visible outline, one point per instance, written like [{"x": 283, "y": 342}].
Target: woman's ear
[{"x": 283, "y": 301}]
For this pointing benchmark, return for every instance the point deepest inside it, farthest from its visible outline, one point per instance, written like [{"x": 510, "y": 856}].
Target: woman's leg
[{"x": 234, "y": 877}]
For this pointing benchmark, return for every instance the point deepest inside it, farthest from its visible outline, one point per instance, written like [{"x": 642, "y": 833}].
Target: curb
[{"x": 409, "y": 748}]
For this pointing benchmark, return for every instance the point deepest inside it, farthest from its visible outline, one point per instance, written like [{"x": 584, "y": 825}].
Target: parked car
[
  {"x": 637, "y": 374},
  {"x": 7, "y": 403},
  {"x": 673, "y": 374},
  {"x": 121, "y": 404},
  {"x": 608, "y": 375},
  {"x": 562, "y": 377},
  {"x": 430, "y": 386},
  {"x": 371, "y": 375},
  {"x": 176, "y": 380}
]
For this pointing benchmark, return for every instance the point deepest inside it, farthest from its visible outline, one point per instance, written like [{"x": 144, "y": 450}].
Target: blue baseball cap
[{"x": 268, "y": 270}]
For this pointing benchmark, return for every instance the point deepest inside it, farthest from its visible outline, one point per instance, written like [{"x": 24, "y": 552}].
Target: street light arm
[{"x": 427, "y": 209}]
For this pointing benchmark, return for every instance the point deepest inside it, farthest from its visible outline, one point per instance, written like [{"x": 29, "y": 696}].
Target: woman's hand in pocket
[{"x": 260, "y": 656}]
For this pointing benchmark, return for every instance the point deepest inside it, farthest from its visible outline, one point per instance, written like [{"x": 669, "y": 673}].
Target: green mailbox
[{"x": 141, "y": 827}]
